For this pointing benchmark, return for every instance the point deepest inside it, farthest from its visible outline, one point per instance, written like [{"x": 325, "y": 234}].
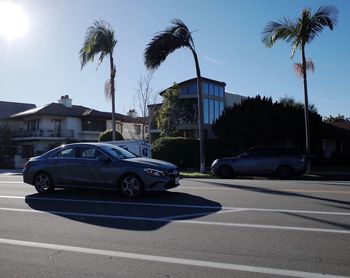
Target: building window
[
  {"x": 221, "y": 91},
  {"x": 32, "y": 125},
  {"x": 206, "y": 111},
  {"x": 206, "y": 88},
  {"x": 211, "y": 89},
  {"x": 137, "y": 129},
  {"x": 192, "y": 89},
  {"x": 93, "y": 125}
]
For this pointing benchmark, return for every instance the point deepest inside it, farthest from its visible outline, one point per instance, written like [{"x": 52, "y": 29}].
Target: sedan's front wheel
[
  {"x": 131, "y": 186},
  {"x": 43, "y": 183}
]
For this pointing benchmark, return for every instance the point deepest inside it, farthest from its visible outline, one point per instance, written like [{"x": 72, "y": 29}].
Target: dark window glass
[
  {"x": 211, "y": 111},
  {"x": 89, "y": 153},
  {"x": 221, "y": 108},
  {"x": 211, "y": 89},
  {"x": 221, "y": 91},
  {"x": 192, "y": 89},
  {"x": 206, "y": 111},
  {"x": 206, "y": 88},
  {"x": 217, "y": 109},
  {"x": 93, "y": 125},
  {"x": 184, "y": 91},
  {"x": 65, "y": 153},
  {"x": 216, "y": 90}
]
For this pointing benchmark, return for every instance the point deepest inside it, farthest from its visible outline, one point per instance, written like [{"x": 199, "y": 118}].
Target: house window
[
  {"x": 93, "y": 125},
  {"x": 137, "y": 129},
  {"x": 32, "y": 125}
]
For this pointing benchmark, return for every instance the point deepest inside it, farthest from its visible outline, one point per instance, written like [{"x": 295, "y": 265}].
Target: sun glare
[{"x": 13, "y": 21}]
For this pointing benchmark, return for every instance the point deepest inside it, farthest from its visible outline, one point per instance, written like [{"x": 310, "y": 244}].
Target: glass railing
[{"x": 44, "y": 132}]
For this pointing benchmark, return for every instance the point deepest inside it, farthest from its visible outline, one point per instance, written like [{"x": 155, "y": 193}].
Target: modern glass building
[{"x": 214, "y": 102}]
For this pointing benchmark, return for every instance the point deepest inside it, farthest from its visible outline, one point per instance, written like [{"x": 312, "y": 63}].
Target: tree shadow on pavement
[{"x": 107, "y": 209}]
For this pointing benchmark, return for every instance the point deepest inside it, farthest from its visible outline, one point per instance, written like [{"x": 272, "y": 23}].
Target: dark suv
[{"x": 282, "y": 162}]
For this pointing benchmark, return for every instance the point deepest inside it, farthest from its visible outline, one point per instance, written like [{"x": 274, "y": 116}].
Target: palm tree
[
  {"x": 164, "y": 43},
  {"x": 299, "y": 33},
  {"x": 99, "y": 40}
]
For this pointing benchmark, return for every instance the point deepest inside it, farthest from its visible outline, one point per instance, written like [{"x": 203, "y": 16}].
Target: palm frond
[
  {"x": 309, "y": 66},
  {"x": 166, "y": 42},
  {"x": 99, "y": 39},
  {"x": 325, "y": 16},
  {"x": 284, "y": 29}
]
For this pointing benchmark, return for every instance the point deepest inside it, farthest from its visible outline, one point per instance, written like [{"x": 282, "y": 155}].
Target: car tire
[
  {"x": 131, "y": 186},
  {"x": 224, "y": 172},
  {"x": 285, "y": 172},
  {"x": 43, "y": 183}
]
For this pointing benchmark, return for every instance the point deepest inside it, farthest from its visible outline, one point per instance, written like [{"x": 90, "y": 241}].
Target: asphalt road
[{"x": 204, "y": 228}]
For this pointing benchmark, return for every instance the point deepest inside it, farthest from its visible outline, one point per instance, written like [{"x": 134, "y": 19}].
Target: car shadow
[
  {"x": 149, "y": 212},
  {"x": 277, "y": 192}
]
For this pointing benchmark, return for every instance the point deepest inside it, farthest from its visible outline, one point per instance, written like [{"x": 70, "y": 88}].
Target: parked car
[
  {"x": 99, "y": 165},
  {"x": 282, "y": 162}
]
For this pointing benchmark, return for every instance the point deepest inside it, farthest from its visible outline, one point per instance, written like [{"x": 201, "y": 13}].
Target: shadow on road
[
  {"x": 107, "y": 209},
  {"x": 277, "y": 192}
]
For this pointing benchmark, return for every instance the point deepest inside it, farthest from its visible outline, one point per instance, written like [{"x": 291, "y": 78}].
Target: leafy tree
[
  {"x": 174, "y": 112},
  {"x": 100, "y": 40},
  {"x": 166, "y": 42},
  {"x": 299, "y": 33},
  {"x": 259, "y": 120},
  {"x": 336, "y": 119},
  {"x": 107, "y": 136}
]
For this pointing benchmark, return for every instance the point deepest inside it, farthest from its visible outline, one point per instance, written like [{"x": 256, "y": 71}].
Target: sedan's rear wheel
[
  {"x": 224, "y": 172},
  {"x": 285, "y": 172},
  {"x": 131, "y": 186},
  {"x": 43, "y": 183}
]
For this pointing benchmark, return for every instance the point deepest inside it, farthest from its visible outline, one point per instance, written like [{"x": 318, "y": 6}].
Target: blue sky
[{"x": 44, "y": 64}]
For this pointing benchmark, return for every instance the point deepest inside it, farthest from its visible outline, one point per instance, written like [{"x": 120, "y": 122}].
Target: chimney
[
  {"x": 132, "y": 113},
  {"x": 65, "y": 101}
]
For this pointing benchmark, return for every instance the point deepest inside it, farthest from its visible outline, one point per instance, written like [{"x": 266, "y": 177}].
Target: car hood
[{"x": 150, "y": 162}]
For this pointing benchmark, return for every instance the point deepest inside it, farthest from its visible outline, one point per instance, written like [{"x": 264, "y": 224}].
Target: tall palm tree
[
  {"x": 299, "y": 33},
  {"x": 99, "y": 40},
  {"x": 164, "y": 43}
]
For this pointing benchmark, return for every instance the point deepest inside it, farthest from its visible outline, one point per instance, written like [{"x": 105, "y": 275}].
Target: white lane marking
[
  {"x": 262, "y": 189},
  {"x": 11, "y": 182},
  {"x": 175, "y": 205},
  {"x": 200, "y": 214},
  {"x": 170, "y": 260},
  {"x": 165, "y": 220}
]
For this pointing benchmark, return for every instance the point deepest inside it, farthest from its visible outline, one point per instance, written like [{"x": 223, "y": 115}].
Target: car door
[
  {"x": 95, "y": 168},
  {"x": 246, "y": 163},
  {"x": 62, "y": 166}
]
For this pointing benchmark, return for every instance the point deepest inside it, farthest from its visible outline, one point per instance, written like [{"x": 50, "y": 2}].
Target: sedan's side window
[
  {"x": 89, "y": 153},
  {"x": 65, "y": 153}
]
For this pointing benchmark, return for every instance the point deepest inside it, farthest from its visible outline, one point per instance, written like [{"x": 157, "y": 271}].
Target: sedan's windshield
[{"x": 118, "y": 152}]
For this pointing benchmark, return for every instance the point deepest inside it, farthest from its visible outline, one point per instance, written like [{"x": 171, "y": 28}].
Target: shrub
[
  {"x": 181, "y": 151},
  {"x": 107, "y": 136}
]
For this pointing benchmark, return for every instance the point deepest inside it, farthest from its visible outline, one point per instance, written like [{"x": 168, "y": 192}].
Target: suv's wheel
[
  {"x": 285, "y": 172},
  {"x": 43, "y": 183},
  {"x": 131, "y": 186},
  {"x": 224, "y": 172}
]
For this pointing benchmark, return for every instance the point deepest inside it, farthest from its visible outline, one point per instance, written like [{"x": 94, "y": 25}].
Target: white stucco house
[{"x": 37, "y": 129}]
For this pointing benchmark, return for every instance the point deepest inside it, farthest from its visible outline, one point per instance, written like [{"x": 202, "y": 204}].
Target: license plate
[{"x": 177, "y": 180}]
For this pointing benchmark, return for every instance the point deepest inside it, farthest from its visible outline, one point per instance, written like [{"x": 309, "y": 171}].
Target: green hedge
[
  {"x": 185, "y": 152},
  {"x": 180, "y": 151}
]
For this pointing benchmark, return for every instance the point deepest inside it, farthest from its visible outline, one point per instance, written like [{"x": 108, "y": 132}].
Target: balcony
[{"x": 42, "y": 133}]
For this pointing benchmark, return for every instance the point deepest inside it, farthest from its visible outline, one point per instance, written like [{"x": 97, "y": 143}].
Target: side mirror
[{"x": 245, "y": 155}]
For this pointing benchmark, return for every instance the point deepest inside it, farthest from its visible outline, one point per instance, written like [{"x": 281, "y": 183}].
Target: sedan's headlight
[{"x": 154, "y": 172}]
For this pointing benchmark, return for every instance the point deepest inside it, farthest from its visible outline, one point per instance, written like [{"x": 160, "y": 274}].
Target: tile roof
[{"x": 8, "y": 108}]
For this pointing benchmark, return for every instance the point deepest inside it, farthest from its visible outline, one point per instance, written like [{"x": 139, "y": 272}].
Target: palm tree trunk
[
  {"x": 112, "y": 95},
  {"x": 306, "y": 113},
  {"x": 200, "y": 114}
]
